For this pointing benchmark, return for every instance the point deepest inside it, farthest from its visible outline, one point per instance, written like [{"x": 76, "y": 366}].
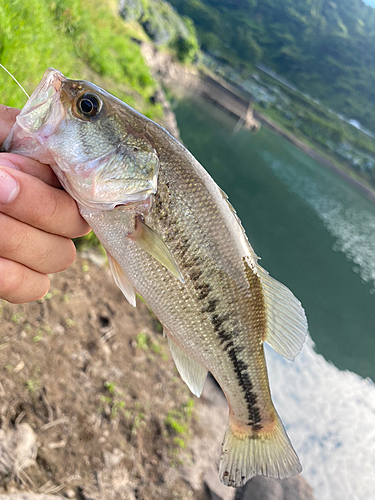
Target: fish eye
[{"x": 89, "y": 105}]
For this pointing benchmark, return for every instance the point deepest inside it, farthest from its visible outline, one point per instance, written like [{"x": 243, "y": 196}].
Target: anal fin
[
  {"x": 192, "y": 373},
  {"x": 121, "y": 280}
]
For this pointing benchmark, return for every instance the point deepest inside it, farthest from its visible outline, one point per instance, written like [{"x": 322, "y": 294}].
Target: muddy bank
[{"x": 92, "y": 381}]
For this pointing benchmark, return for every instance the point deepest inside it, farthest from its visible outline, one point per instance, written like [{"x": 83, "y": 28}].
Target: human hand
[{"x": 37, "y": 220}]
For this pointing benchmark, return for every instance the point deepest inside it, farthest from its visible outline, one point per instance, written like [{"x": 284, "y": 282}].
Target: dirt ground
[{"x": 94, "y": 379}]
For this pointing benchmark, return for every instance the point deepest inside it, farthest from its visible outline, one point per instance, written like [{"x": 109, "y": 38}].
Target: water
[{"x": 315, "y": 234}]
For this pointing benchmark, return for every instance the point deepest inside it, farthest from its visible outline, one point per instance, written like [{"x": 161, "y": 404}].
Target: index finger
[
  {"x": 45, "y": 207},
  {"x": 31, "y": 167}
]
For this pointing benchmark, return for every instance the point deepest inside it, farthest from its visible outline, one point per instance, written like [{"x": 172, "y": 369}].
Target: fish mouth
[
  {"x": 52, "y": 77},
  {"x": 43, "y": 110}
]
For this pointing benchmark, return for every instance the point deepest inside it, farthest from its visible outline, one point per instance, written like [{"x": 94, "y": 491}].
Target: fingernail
[{"x": 8, "y": 187}]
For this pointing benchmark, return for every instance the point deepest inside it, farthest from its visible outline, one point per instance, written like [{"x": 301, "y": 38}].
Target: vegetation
[
  {"x": 114, "y": 400},
  {"x": 324, "y": 47},
  {"x": 81, "y": 38},
  {"x": 177, "y": 423},
  {"x": 164, "y": 26}
]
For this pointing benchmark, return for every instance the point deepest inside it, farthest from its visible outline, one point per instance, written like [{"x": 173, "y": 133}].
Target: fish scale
[
  {"x": 182, "y": 320},
  {"x": 172, "y": 236}
]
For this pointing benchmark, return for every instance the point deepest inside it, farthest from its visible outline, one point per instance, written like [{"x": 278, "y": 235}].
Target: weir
[{"x": 230, "y": 99}]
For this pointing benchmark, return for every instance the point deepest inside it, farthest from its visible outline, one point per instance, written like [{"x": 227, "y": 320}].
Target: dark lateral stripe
[
  {"x": 211, "y": 307},
  {"x": 224, "y": 337},
  {"x": 180, "y": 244},
  {"x": 195, "y": 274},
  {"x": 240, "y": 368},
  {"x": 244, "y": 381},
  {"x": 217, "y": 321}
]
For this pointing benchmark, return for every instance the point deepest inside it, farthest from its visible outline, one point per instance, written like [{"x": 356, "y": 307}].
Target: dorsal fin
[
  {"x": 231, "y": 208},
  {"x": 286, "y": 328}
]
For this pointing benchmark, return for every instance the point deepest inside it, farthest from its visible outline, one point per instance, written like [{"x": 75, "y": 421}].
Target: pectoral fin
[
  {"x": 192, "y": 373},
  {"x": 151, "y": 243},
  {"x": 121, "y": 280}
]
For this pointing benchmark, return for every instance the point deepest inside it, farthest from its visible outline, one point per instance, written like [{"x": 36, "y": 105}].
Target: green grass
[
  {"x": 177, "y": 423},
  {"x": 83, "y": 39},
  {"x": 145, "y": 343},
  {"x": 114, "y": 400}
]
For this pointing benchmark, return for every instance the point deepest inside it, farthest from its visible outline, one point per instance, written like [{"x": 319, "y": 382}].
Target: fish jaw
[
  {"x": 38, "y": 112},
  {"x": 38, "y": 120}
]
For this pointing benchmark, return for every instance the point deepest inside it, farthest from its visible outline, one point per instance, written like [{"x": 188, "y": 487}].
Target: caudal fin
[{"x": 246, "y": 454}]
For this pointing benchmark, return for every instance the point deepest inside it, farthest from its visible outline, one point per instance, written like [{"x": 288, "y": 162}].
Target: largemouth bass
[{"x": 172, "y": 236}]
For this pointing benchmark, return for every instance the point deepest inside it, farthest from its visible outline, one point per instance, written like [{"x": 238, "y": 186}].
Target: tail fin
[{"x": 247, "y": 453}]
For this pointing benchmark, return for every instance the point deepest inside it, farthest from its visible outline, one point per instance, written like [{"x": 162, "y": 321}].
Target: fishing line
[{"x": 17, "y": 82}]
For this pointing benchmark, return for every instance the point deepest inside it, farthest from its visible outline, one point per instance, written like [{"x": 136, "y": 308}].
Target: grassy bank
[{"x": 84, "y": 39}]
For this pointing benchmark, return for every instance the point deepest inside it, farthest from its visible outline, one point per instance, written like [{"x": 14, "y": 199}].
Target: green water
[{"x": 313, "y": 232}]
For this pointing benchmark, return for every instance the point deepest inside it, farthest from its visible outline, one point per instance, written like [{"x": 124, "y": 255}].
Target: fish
[{"x": 172, "y": 236}]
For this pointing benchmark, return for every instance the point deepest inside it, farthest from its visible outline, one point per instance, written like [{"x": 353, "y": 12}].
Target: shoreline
[
  {"x": 191, "y": 81},
  {"x": 363, "y": 189}
]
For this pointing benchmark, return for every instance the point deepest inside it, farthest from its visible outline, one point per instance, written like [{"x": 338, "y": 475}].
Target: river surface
[{"x": 315, "y": 234}]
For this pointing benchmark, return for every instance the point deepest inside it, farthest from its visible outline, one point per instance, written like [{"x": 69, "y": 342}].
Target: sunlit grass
[{"x": 83, "y": 39}]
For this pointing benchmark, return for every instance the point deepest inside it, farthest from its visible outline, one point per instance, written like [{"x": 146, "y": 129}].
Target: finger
[
  {"x": 43, "y": 252},
  {"x": 7, "y": 119},
  {"x": 39, "y": 205},
  {"x": 31, "y": 167},
  {"x": 20, "y": 284}
]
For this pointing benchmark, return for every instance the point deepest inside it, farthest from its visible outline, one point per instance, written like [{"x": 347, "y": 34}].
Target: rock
[
  {"x": 18, "y": 449},
  {"x": 212, "y": 412},
  {"x": 265, "y": 488},
  {"x": 131, "y": 10},
  {"x": 167, "y": 70},
  {"x": 113, "y": 459},
  {"x": 58, "y": 329},
  {"x": 158, "y": 18},
  {"x": 215, "y": 489}
]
